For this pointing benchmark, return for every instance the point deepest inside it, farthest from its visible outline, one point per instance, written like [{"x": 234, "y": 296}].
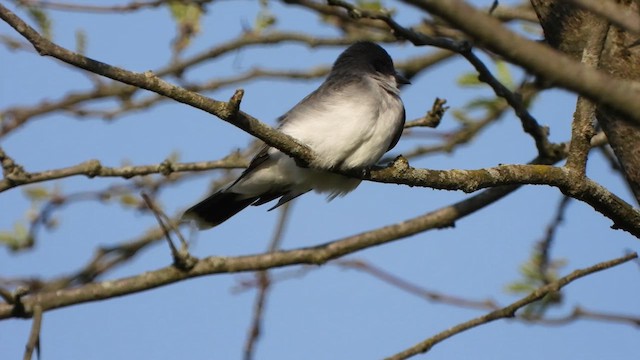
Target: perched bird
[{"x": 349, "y": 122}]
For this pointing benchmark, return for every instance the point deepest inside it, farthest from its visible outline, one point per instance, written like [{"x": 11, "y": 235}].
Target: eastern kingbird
[{"x": 349, "y": 122}]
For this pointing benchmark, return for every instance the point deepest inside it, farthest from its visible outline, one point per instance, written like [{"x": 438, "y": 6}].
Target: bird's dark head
[{"x": 367, "y": 57}]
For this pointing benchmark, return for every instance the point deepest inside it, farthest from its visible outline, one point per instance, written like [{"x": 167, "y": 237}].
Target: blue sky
[{"x": 331, "y": 313}]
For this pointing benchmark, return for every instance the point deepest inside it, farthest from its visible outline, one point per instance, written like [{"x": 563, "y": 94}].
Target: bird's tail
[{"x": 217, "y": 208}]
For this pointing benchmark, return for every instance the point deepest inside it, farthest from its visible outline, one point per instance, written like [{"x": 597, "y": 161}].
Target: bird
[{"x": 349, "y": 122}]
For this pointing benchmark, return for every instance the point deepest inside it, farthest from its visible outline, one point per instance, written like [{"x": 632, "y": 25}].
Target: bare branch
[
  {"x": 414, "y": 289},
  {"x": 34, "y": 335},
  {"x": 181, "y": 258},
  {"x": 264, "y": 281},
  {"x": 470, "y": 128},
  {"x": 578, "y": 312},
  {"x": 437, "y": 297},
  {"x": 103, "y": 9},
  {"x": 623, "y": 214},
  {"x": 510, "y": 310},
  {"x": 539, "y": 59},
  {"x": 93, "y": 168},
  {"x": 543, "y": 247},
  {"x": 104, "y": 259},
  {"x": 582, "y": 128},
  {"x": 444, "y": 217},
  {"x": 432, "y": 118},
  {"x": 581, "y": 313}
]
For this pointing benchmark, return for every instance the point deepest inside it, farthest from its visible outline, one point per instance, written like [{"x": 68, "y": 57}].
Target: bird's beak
[{"x": 401, "y": 79}]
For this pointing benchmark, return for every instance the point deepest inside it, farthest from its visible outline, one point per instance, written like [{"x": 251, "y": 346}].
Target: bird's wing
[{"x": 257, "y": 160}]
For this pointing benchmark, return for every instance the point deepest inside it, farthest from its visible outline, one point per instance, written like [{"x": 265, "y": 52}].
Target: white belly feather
[{"x": 343, "y": 132}]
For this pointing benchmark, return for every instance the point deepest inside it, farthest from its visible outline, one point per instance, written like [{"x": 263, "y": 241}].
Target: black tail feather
[{"x": 217, "y": 208}]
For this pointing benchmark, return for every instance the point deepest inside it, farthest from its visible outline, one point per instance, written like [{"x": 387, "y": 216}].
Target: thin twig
[
  {"x": 181, "y": 258},
  {"x": 510, "y": 310},
  {"x": 167, "y": 233},
  {"x": 581, "y": 313},
  {"x": 34, "y": 335},
  {"x": 469, "y": 128},
  {"x": 264, "y": 282},
  {"x": 432, "y": 118},
  {"x": 543, "y": 246},
  {"x": 414, "y": 289},
  {"x": 15, "y": 175},
  {"x": 494, "y": 6},
  {"x": 578, "y": 313},
  {"x": 104, "y": 259}
]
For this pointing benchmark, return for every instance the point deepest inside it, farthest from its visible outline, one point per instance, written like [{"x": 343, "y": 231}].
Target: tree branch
[
  {"x": 33, "y": 343},
  {"x": 623, "y": 215},
  {"x": 582, "y": 127},
  {"x": 510, "y": 310},
  {"x": 151, "y": 82},
  {"x": 93, "y": 168},
  {"x": 264, "y": 281},
  {"x": 456, "y": 301},
  {"x": 539, "y": 59},
  {"x": 118, "y": 9},
  {"x": 438, "y": 219}
]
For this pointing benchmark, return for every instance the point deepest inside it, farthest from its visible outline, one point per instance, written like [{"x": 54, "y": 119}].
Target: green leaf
[
  {"x": 20, "y": 230},
  {"x": 484, "y": 103},
  {"x": 460, "y": 116},
  {"x": 187, "y": 16},
  {"x": 373, "y": 5},
  {"x": 37, "y": 193},
  {"x": 129, "y": 200},
  {"x": 519, "y": 288},
  {"x": 264, "y": 20},
  {"x": 504, "y": 74},
  {"x": 18, "y": 239},
  {"x": 469, "y": 79},
  {"x": 9, "y": 239}
]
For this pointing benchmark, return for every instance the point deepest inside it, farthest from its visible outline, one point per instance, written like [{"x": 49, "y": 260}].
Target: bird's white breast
[{"x": 352, "y": 128}]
